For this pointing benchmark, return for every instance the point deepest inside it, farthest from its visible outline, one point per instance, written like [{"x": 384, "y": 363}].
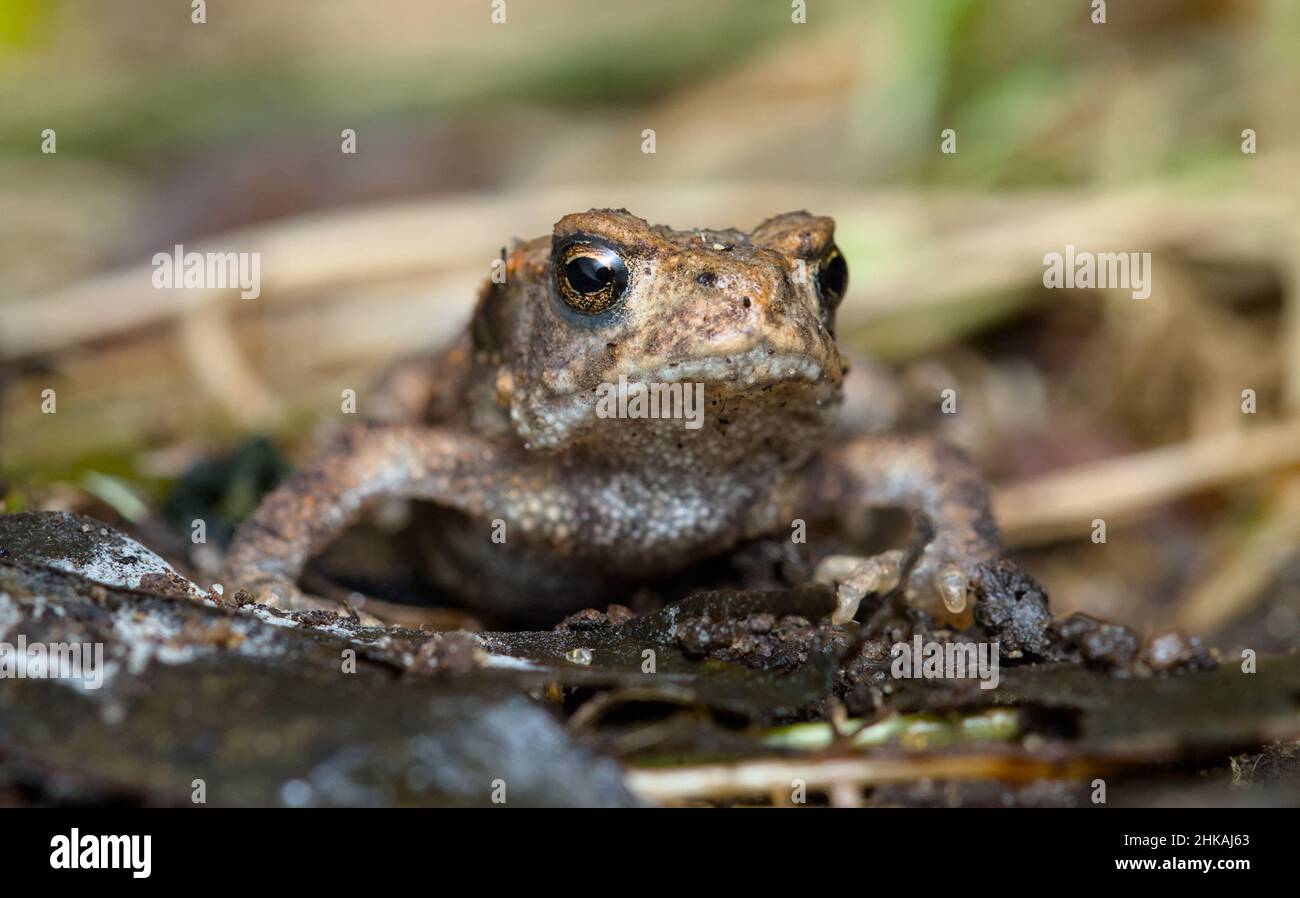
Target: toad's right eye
[
  {"x": 832, "y": 277},
  {"x": 591, "y": 276}
]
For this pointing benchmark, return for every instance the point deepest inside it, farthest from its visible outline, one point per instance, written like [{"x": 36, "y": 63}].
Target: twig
[
  {"x": 1062, "y": 504},
  {"x": 765, "y": 777}
]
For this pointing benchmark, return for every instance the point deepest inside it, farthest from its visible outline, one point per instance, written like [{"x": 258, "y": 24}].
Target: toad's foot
[
  {"x": 943, "y": 490},
  {"x": 952, "y": 582},
  {"x": 856, "y": 577}
]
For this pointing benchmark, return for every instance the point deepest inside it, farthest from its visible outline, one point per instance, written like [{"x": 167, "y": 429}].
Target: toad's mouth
[
  {"x": 754, "y": 368},
  {"x": 752, "y": 379}
]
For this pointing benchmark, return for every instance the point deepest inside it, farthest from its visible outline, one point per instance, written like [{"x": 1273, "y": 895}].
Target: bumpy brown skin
[{"x": 501, "y": 430}]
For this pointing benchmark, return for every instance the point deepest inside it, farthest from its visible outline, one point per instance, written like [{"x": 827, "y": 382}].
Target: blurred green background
[{"x": 170, "y": 130}]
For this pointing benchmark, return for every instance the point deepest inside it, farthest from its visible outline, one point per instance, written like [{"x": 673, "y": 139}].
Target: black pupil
[
  {"x": 834, "y": 276},
  {"x": 588, "y": 274}
]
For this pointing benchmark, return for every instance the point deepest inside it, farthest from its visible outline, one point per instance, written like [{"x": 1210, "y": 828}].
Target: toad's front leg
[
  {"x": 924, "y": 476},
  {"x": 317, "y": 502}
]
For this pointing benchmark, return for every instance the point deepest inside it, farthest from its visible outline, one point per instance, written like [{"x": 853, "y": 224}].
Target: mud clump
[
  {"x": 1173, "y": 651},
  {"x": 456, "y": 653},
  {"x": 591, "y": 619},
  {"x": 1012, "y": 608},
  {"x": 1098, "y": 644},
  {"x": 167, "y": 583},
  {"x": 1117, "y": 649},
  {"x": 761, "y": 640}
]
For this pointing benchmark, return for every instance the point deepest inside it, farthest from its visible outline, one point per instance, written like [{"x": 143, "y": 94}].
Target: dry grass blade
[{"x": 1062, "y": 504}]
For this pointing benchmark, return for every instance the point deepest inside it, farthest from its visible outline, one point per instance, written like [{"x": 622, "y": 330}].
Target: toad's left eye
[
  {"x": 832, "y": 277},
  {"x": 590, "y": 276}
]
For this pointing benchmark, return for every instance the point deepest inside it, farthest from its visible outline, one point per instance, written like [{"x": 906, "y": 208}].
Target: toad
[{"x": 552, "y": 496}]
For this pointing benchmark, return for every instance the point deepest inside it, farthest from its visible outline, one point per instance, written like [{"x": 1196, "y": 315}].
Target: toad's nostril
[
  {"x": 706, "y": 279},
  {"x": 746, "y": 301}
]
